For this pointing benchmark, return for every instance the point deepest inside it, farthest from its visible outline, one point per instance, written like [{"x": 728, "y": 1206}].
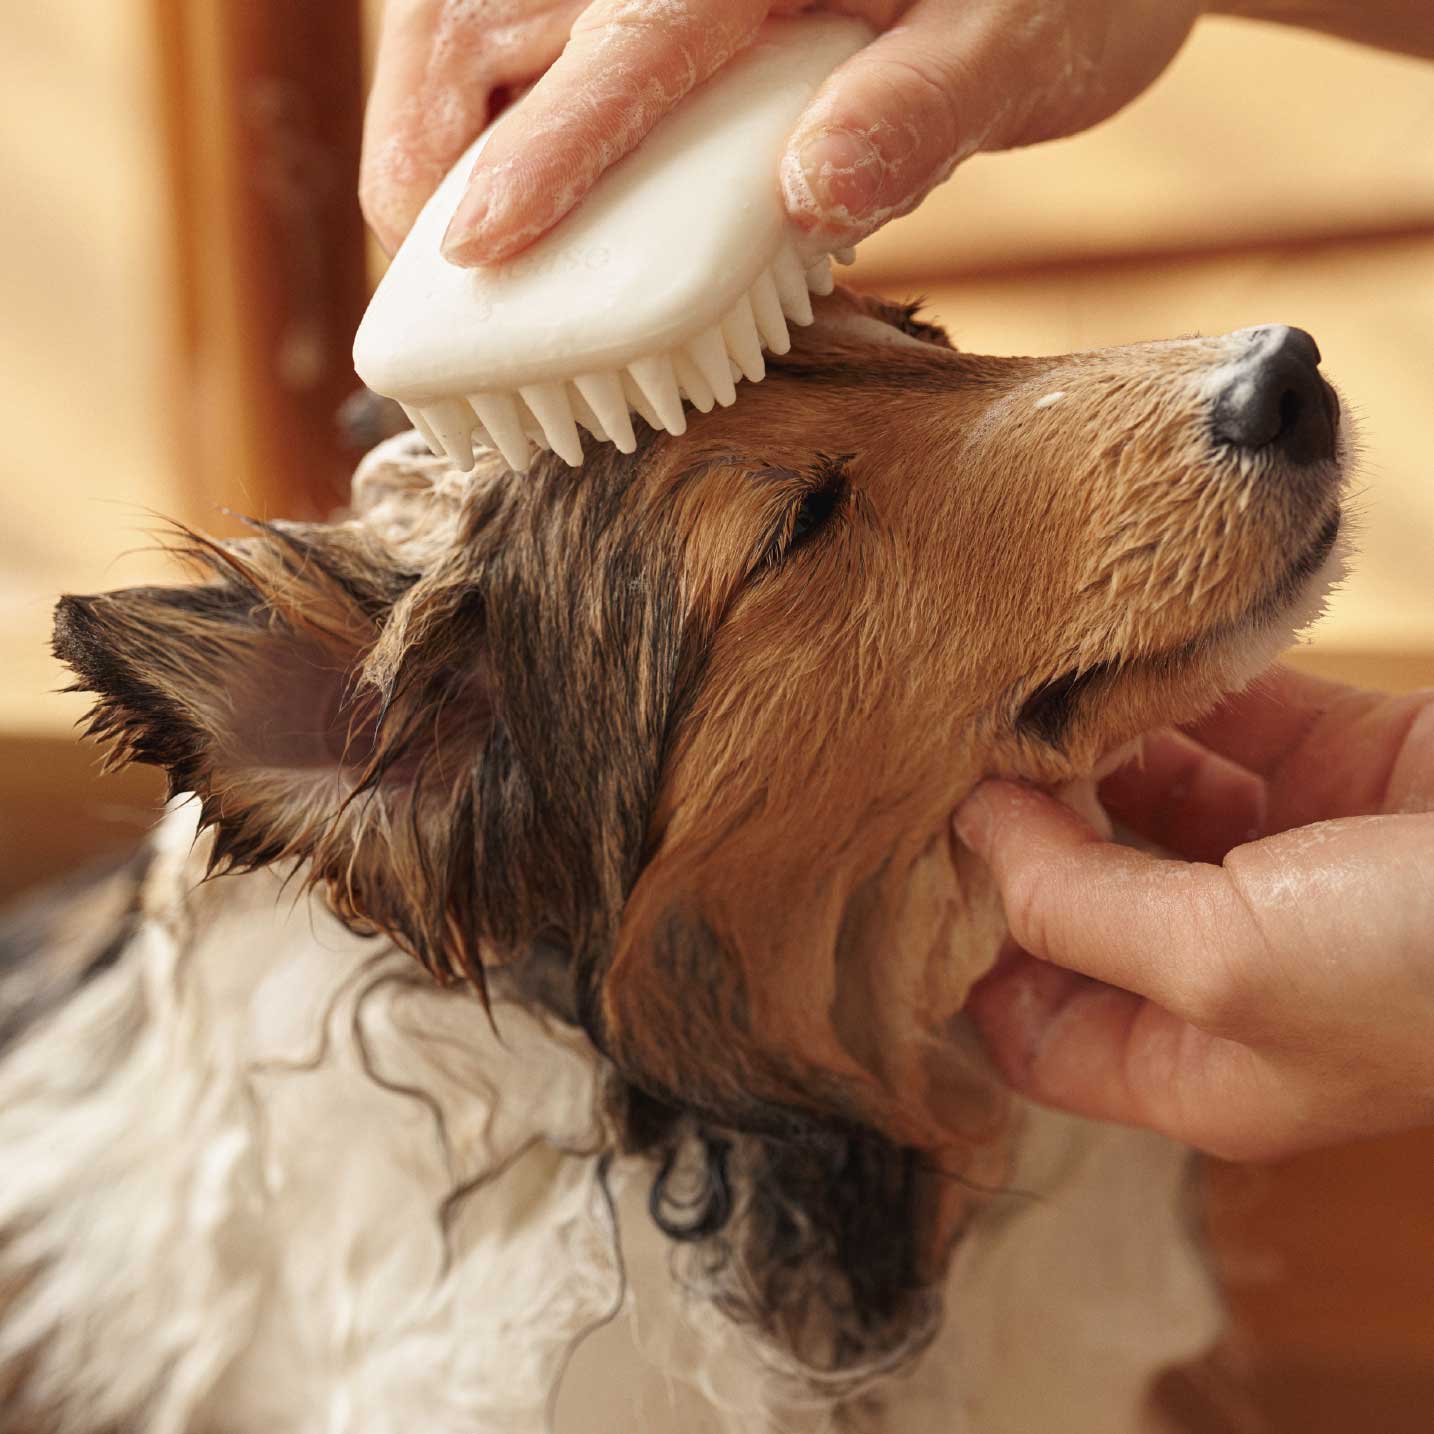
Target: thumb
[
  {"x": 953, "y": 77},
  {"x": 895, "y": 120},
  {"x": 1121, "y": 916},
  {"x": 881, "y": 132}
]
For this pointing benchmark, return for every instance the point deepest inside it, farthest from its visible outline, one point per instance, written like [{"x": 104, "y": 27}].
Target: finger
[
  {"x": 1260, "y": 726},
  {"x": 428, "y": 102},
  {"x": 1354, "y": 890},
  {"x": 627, "y": 64},
  {"x": 1013, "y": 1007},
  {"x": 1105, "y": 1054},
  {"x": 891, "y": 123},
  {"x": 1064, "y": 1040},
  {"x": 952, "y": 78},
  {"x": 1185, "y": 799},
  {"x": 1168, "y": 930},
  {"x": 1411, "y": 777},
  {"x": 1327, "y": 750}
]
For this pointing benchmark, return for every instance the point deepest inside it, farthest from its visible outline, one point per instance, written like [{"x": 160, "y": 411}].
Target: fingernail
[
  {"x": 974, "y": 821},
  {"x": 1038, "y": 995},
  {"x": 1013, "y": 1006},
  {"x": 463, "y": 239},
  {"x": 838, "y": 178}
]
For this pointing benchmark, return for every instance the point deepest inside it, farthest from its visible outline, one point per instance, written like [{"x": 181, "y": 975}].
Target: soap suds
[{"x": 622, "y": 71}]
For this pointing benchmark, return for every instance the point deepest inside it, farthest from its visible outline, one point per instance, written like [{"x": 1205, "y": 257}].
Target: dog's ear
[
  {"x": 269, "y": 692},
  {"x": 454, "y": 708}
]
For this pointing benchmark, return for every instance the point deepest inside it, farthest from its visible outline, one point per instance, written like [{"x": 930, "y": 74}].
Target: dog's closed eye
[
  {"x": 816, "y": 508},
  {"x": 813, "y": 511}
]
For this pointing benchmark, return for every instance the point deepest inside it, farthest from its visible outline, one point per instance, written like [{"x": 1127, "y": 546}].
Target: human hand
[
  {"x": 944, "y": 79},
  {"x": 1273, "y": 992}
]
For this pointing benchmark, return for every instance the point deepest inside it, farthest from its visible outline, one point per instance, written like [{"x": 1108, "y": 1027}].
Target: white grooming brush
[{"x": 663, "y": 286}]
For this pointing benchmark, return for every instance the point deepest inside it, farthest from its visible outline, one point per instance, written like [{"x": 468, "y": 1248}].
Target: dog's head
[{"x": 685, "y": 729}]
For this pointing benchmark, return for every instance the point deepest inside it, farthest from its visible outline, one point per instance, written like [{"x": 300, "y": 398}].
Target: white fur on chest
[{"x": 227, "y": 1223}]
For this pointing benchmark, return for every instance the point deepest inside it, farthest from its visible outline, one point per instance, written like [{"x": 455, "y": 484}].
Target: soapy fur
[{"x": 668, "y": 744}]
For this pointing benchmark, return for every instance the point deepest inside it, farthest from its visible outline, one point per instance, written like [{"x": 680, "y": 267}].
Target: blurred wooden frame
[{"x": 262, "y": 105}]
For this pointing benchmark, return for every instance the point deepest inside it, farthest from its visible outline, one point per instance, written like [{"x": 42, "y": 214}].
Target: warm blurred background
[{"x": 183, "y": 267}]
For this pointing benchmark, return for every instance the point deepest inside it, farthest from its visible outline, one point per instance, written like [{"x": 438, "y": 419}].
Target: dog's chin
[
  {"x": 1273, "y": 625},
  {"x": 1291, "y": 605},
  {"x": 1233, "y": 655},
  {"x": 1297, "y": 597}
]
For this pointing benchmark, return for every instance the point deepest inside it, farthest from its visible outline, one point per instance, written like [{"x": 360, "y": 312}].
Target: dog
[{"x": 676, "y": 1121}]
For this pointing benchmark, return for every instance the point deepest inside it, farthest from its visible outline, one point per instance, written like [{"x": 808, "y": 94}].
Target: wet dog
[{"x": 655, "y": 761}]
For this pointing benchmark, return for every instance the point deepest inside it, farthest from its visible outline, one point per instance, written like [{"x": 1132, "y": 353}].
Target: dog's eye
[{"x": 816, "y": 509}]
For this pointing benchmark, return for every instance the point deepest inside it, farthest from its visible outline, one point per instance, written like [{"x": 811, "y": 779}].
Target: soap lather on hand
[{"x": 941, "y": 80}]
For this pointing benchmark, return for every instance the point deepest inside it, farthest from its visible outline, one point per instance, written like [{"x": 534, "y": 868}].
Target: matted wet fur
[{"x": 667, "y": 748}]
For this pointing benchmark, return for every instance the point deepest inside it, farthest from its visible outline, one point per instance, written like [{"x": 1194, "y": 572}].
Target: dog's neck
[{"x": 937, "y": 922}]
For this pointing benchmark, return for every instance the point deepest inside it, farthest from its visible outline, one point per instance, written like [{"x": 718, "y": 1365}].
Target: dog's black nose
[{"x": 1275, "y": 397}]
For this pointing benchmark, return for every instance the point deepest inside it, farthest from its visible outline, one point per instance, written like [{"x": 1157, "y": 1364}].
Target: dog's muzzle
[{"x": 1274, "y": 397}]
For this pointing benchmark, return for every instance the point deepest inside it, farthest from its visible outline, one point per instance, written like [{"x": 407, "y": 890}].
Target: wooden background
[{"x": 183, "y": 266}]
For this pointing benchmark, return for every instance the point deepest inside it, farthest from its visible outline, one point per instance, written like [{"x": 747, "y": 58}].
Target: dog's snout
[{"x": 1275, "y": 397}]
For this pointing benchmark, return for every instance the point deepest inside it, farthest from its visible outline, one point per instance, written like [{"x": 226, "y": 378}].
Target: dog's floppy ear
[
  {"x": 269, "y": 692},
  {"x": 454, "y": 708}
]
